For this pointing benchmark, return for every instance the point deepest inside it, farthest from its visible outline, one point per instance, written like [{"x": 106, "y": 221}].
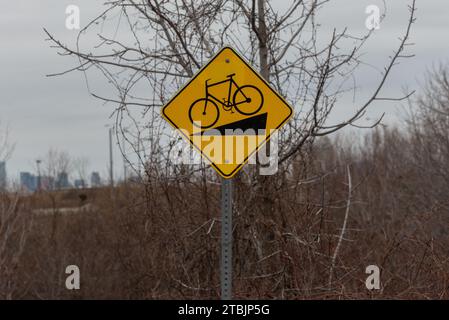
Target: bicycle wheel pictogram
[
  {"x": 248, "y": 100},
  {"x": 204, "y": 113}
]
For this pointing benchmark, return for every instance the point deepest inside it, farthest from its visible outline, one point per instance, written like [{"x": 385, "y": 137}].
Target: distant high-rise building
[
  {"x": 79, "y": 183},
  {"x": 28, "y": 181},
  {"x": 95, "y": 180},
  {"x": 2, "y": 175},
  {"x": 62, "y": 182}
]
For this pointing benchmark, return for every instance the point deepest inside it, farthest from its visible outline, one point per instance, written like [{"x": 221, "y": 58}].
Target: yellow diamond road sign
[{"x": 227, "y": 111}]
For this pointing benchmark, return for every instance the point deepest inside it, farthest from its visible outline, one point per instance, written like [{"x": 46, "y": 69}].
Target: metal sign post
[
  {"x": 226, "y": 239},
  {"x": 241, "y": 101}
]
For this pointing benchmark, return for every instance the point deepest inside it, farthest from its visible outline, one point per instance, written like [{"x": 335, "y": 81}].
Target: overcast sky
[{"x": 57, "y": 112}]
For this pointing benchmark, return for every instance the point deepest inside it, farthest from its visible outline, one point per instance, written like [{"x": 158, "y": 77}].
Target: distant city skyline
[
  {"x": 13, "y": 176},
  {"x": 65, "y": 179},
  {"x": 30, "y": 182}
]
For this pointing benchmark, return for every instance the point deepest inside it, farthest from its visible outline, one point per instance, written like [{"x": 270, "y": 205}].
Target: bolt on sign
[{"x": 227, "y": 111}]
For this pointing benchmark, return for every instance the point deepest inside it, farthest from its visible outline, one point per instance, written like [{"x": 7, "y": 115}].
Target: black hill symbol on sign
[
  {"x": 247, "y": 100},
  {"x": 254, "y": 125}
]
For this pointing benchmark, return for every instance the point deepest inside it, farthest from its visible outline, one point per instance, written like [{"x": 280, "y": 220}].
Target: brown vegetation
[
  {"x": 161, "y": 239},
  {"x": 333, "y": 208}
]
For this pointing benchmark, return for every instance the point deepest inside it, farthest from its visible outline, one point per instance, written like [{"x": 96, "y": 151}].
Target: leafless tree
[
  {"x": 158, "y": 45},
  {"x": 14, "y": 228},
  {"x": 6, "y": 147},
  {"x": 429, "y": 127},
  {"x": 80, "y": 165},
  {"x": 146, "y": 50},
  {"x": 54, "y": 163}
]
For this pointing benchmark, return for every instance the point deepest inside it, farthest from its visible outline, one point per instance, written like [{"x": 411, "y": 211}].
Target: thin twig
[{"x": 343, "y": 228}]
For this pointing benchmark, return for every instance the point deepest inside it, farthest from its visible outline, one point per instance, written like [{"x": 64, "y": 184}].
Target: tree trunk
[{"x": 263, "y": 39}]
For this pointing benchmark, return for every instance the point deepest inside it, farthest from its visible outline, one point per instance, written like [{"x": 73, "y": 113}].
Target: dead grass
[{"x": 161, "y": 240}]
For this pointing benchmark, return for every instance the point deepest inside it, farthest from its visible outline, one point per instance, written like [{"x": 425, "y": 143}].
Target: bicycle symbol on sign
[{"x": 247, "y": 100}]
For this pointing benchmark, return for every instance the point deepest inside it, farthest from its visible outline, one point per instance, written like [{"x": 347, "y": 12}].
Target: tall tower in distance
[{"x": 3, "y": 182}]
